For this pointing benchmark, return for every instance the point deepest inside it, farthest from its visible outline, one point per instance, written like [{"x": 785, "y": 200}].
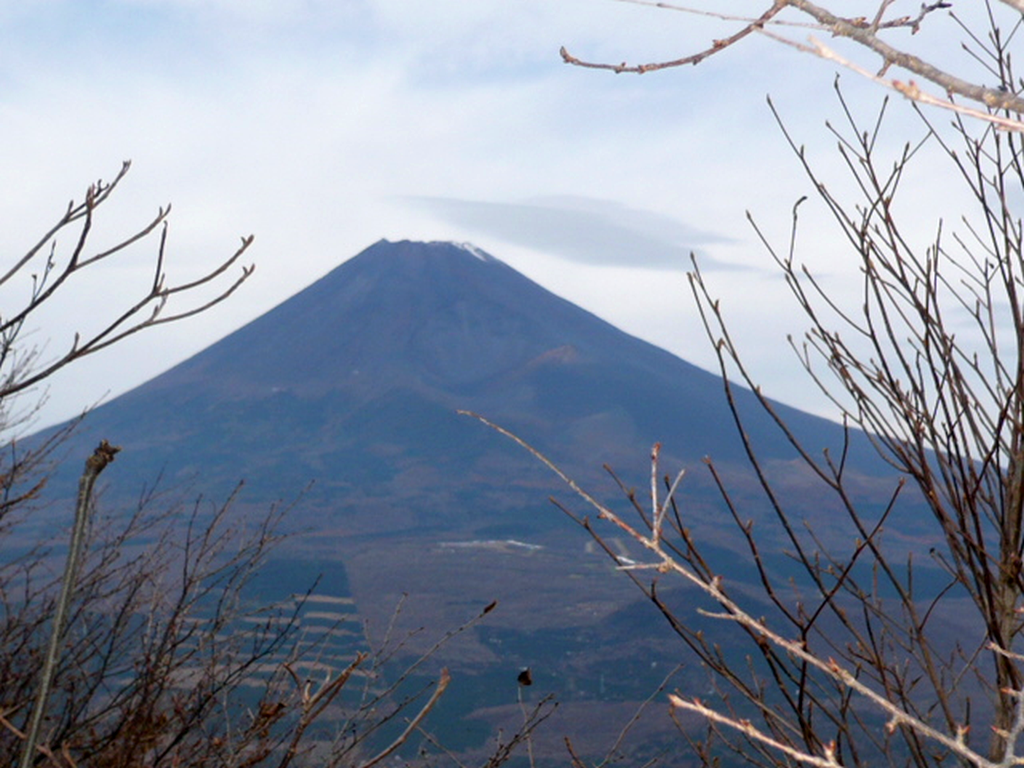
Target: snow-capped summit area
[{"x": 476, "y": 252}]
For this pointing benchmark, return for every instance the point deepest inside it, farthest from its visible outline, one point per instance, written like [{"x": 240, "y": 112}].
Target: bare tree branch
[
  {"x": 867, "y": 33},
  {"x": 147, "y": 311},
  {"x": 696, "y": 58}
]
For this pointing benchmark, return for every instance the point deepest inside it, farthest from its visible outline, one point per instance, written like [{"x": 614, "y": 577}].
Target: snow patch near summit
[{"x": 475, "y": 252}]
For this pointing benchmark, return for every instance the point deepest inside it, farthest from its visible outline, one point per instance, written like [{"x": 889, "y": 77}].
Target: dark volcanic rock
[{"x": 354, "y": 383}]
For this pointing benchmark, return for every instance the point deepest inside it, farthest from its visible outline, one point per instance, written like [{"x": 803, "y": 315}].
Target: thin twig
[
  {"x": 442, "y": 684},
  {"x": 101, "y": 457}
]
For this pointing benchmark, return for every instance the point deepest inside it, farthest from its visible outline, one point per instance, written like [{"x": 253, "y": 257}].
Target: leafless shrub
[
  {"x": 141, "y": 646},
  {"x": 848, "y": 657}
]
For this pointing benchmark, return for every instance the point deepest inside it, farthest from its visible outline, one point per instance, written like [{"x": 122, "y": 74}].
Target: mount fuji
[{"x": 354, "y": 386}]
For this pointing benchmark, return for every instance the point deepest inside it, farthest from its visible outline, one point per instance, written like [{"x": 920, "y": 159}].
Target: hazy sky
[{"x": 322, "y": 126}]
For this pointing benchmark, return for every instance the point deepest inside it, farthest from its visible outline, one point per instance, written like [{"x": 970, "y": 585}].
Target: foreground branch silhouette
[
  {"x": 141, "y": 646},
  {"x": 878, "y": 33},
  {"x": 885, "y": 631},
  {"x": 94, "y": 465},
  {"x": 665, "y": 559}
]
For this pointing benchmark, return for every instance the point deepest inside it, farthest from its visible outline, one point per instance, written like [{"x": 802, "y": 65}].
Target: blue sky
[{"x": 322, "y": 127}]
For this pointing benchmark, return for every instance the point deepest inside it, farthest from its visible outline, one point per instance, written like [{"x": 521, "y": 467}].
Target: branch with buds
[
  {"x": 665, "y": 562},
  {"x": 998, "y": 104}
]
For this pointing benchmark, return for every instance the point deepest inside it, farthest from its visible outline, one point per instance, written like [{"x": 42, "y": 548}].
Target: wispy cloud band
[{"x": 581, "y": 229}]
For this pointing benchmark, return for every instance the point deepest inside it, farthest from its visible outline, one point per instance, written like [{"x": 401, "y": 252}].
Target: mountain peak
[
  {"x": 477, "y": 253},
  {"x": 416, "y": 330},
  {"x": 414, "y": 313},
  {"x": 429, "y": 249}
]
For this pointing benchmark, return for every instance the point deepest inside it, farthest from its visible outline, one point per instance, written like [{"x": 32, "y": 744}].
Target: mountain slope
[{"x": 354, "y": 384}]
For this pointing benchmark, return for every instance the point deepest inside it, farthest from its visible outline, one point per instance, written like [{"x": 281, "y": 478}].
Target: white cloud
[{"x": 581, "y": 229}]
